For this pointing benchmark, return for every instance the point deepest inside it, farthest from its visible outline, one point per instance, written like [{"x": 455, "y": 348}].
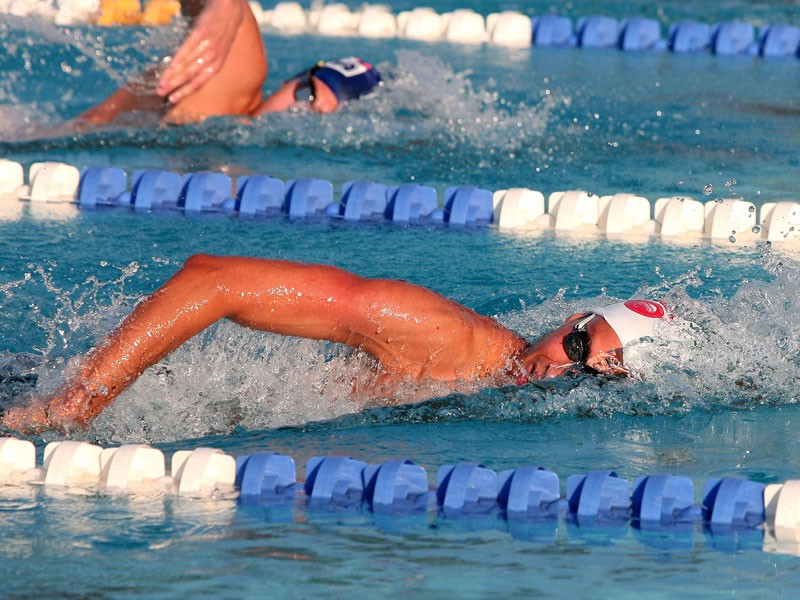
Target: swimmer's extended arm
[{"x": 412, "y": 331}]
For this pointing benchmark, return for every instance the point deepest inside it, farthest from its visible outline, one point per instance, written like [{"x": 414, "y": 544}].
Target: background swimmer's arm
[
  {"x": 280, "y": 100},
  {"x": 125, "y": 99},
  {"x": 218, "y": 70},
  {"x": 313, "y": 301},
  {"x": 205, "y": 49}
]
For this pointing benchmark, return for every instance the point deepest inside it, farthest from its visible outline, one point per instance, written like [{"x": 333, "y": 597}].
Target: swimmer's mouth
[{"x": 572, "y": 371}]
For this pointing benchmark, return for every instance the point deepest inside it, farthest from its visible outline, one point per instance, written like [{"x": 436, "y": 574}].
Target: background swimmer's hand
[{"x": 203, "y": 52}]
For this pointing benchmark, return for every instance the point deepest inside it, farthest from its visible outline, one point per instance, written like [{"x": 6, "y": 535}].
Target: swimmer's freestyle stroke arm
[
  {"x": 205, "y": 49},
  {"x": 219, "y": 69},
  {"x": 413, "y": 333}
]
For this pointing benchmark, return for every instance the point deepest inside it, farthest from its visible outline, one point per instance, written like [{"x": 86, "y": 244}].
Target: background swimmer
[
  {"x": 324, "y": 86},
  {"x": 219, "y": 69},
  {"x": 414, "y": 334}
]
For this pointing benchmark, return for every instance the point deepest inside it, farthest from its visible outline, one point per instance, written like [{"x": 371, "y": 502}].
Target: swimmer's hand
[
  {"x": 28, "y": 419},
  {"x": 203, "y": 52},
  {"x": 70, "y": 409}
]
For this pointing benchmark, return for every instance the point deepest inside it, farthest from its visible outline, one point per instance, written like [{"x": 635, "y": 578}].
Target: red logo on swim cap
[{"x": 646, "y": 308}]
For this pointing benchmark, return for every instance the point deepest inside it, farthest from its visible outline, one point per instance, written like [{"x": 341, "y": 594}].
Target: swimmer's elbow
[
  {"x": 203, "y": 273},
  {"x": 200, "y": 261}
]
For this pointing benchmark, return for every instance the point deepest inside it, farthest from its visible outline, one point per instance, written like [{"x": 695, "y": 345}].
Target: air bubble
[
  {"x": 708, "y": 189},
  {"x": 732, "y": 239},
  {"x": 756, "y": 229}
]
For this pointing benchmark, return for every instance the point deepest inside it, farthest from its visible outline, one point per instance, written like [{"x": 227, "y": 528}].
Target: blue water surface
[{"x": 723, "y": 402}]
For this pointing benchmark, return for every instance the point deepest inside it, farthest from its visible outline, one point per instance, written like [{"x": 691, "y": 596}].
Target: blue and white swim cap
[{"x": 347, "y": 78}]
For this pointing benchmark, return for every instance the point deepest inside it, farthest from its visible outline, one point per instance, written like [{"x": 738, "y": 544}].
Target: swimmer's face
[
  {"x": 325, "y": 100},
  {"x": 548, "y": 357},
  {"x": 317, "y": 96}
]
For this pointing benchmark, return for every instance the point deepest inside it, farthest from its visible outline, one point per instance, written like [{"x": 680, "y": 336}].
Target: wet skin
[{"x": 413, "y": 333}]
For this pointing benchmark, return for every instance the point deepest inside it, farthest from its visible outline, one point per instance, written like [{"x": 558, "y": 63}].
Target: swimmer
[
  {"x": 414, "y": 334},
  {"x": 324, "y": 86},
  {"x": 219, "y": 69}
]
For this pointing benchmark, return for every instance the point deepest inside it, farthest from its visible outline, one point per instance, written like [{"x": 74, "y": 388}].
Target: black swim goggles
[
  {"x": 305, "y": 81},
  {"x": 576, "y": 342}
]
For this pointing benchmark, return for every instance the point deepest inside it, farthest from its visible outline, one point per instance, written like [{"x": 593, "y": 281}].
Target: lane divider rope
[
  {"x": 528, "y": 494},
  {"x": 624, "y": 215},
  {"x": 463, "y": 26}
]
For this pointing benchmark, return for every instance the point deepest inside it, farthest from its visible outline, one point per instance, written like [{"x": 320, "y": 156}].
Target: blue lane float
[
  {"x": 782, "y": 41},
  {"x": 468, "y": 205},
  {"x": 729, "y": 503},
  {"x": 262, "y": 196},
  {"x": 598, "y": 496},
  {"x": 553, "y": 30},
  {"x": 466, "y": 489},
  {"x": 396, "y": 486},
  {"x": 153, "y": 189},
  {"x": 529, "y": 494},
  {"x": 266, "y": 477},
  {"x": 101, "y": 186},
  {"x": 597, "y": 32},
  {"x": 660, "y": 508},
  {"x": 688, "y": 37},
  {"x": 663, "y": 500},
  {"x": 308, "y": 197},
  {"x": 734, "y": 38},
  {"x": 206, "y": 191},
  {"x": 363, "y": 201},
  {"x": 639, "y": 34},
  {"x": 259, "y": 195},
  {"x": 333, "y": 481},
  {"x": 411, "y": 203}
]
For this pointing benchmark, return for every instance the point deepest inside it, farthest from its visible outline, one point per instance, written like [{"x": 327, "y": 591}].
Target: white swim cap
[{"x": 632, "y": 320}]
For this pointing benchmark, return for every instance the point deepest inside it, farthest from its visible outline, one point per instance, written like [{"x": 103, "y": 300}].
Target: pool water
[{"x": 723, "y": 402}]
